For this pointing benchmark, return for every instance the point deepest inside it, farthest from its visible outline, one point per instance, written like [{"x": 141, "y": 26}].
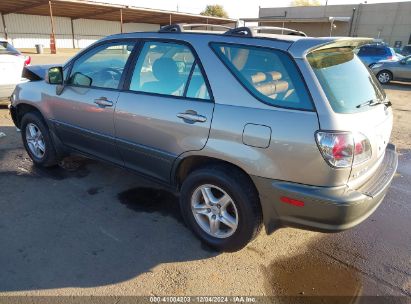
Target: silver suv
[{"x": 248, "y": 127}]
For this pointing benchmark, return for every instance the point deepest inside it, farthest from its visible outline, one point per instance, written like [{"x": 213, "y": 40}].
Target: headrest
[
  {"x": 274, "y": 87},
  {"x": 267, "y": 76},
  {"x": 165, "y": 69}
]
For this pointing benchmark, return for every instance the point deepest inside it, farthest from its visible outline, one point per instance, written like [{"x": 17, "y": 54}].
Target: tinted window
[
  {"x": 102, "y": 67},
  {"x": 344, "y": 79},
  {"x": 269, "y": 75},
  {"x": 165, "y": 68},
  {"x": 380, "y": 51},
  {"x": 7, "y": 48},
  {"x": 197, "y": 87},
  {"x": 365, "y": 51}
]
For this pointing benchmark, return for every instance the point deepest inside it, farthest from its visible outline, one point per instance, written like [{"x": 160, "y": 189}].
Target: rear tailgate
[
  {"x": 11, "y": 68},
  {"x": 354, "y": 101}
]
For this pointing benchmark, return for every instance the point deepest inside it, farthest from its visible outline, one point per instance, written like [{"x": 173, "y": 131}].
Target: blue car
[{"x": 372, "y": 53}]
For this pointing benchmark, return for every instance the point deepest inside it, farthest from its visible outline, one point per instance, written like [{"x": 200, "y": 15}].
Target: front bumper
[
  {"x": 13, "y": 114},
  {"x": 327, "y": 209}
]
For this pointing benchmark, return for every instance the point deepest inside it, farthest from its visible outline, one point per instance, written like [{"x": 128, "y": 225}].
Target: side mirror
[
  {"x": 81, "y": 80},
  {"x": 55, "y": 75}
]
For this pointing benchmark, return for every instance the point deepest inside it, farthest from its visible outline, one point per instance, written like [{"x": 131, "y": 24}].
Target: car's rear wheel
[
  {"x": 37, "y": 140},
  {"x": 384, "y": 77},
  {"x": 221, "y": 207}
]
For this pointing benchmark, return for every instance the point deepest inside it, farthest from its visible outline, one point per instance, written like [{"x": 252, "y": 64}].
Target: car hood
[{"x": 36, "y": 72}]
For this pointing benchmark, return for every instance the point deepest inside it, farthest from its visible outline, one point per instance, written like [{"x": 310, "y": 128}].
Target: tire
[
  {"x": 242, "y": 207},
  {"x": 384, "y": 77},
  {"x": 48, "y": 157}
]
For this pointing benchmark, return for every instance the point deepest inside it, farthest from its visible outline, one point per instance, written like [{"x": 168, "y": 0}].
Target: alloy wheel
[
  {"x": 214, "y": 211},
  {"x": 35, "y": 140}
]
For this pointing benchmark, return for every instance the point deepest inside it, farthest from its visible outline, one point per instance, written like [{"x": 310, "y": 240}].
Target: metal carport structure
[{"x": 77, "y": 9}]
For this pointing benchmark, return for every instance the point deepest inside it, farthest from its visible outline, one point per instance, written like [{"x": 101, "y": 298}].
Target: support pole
[
  {"x": 170, "y": 19},
  {"x": 53, "y": 49},
  {"x": 4, "y": 26},
  {"x": 72, "y": 33},
  {"x": 121, "y": 20}
]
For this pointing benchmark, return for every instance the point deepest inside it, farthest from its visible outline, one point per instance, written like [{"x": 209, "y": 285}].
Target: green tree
[
  {"x": 305, "y": 3},
  {"x": 215, "y": 10}
]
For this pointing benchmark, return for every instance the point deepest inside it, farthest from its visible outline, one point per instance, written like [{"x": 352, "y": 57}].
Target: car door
[
  {"x": 403, "y": 69},
  {"x": 84, "y": 111},
  {"x": 165, "y": 109}
]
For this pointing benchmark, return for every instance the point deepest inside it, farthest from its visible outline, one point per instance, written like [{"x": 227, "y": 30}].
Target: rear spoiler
[{"x": 302, "y": 47}]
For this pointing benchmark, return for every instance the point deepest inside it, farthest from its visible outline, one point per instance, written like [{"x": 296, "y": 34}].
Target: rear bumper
[{"x": 327, "y": 209}]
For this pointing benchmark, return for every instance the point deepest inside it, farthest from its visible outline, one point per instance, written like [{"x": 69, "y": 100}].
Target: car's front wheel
[
  {"x": 222, "y": 207},
  {"x": 37, "y": 140},
  {"x": 384, "y": 77}
]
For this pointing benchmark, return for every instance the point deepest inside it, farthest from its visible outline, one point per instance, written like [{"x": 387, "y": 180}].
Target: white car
[{"x": 12, "y": 63}]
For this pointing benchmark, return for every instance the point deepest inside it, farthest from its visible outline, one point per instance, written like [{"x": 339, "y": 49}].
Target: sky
[{"x": 235, "y": 8}]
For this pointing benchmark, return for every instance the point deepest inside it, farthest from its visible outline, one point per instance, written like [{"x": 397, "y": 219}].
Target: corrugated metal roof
[{"x": 77, "y": 9}]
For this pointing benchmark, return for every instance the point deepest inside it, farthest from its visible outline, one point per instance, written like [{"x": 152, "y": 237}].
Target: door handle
[
  {"x": 192, "y": 116},
  {"x": 103, "y": 102}
]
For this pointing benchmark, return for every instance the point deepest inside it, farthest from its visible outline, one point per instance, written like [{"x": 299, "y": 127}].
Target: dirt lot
[{"x": 87, "y": 228}]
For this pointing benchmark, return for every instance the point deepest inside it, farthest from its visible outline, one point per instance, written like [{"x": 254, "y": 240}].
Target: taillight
[
  {"x": 27, "y": 61},
  {"x": 343, "y": 149},
  {"x": 390, "y": 57},
  {"x": 362, "y": 149}
]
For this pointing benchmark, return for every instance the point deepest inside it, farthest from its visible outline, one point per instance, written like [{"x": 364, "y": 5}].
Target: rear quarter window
[{"x": 269, "y": 75}]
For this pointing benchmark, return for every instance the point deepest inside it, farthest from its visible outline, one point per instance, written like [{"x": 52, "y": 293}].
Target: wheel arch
[
  {"x": 190, "y": 163},
  {"x": 23, "y": 108}
]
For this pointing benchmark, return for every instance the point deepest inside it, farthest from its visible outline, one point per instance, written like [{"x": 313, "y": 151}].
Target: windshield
[
  {"x": 7, "y": 48},
  {"x": 345, "y": 80}
]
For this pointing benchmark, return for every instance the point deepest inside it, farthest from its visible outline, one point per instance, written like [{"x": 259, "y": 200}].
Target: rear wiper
[{"x": 372, "y": 102}]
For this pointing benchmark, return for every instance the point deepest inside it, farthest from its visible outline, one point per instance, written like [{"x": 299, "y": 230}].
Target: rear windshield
[
  {"x": 346, "y": 81},
  {"x": 7, "y": 48}
]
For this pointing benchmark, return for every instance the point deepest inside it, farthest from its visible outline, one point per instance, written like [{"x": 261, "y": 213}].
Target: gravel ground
[{"x": 87, "y": 228}]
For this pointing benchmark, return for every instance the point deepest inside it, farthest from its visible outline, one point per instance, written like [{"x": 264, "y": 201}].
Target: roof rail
[
  {"x": 172, "y": 28},
  {"x": 249, "y": 31},
  {"x": 238, "y": 31},
  {"x": 181, "y": 27}
]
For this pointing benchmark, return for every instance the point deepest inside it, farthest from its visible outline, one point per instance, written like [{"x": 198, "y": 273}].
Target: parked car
[
  {"x": 406, "y": 50},
  {"x": 246, "y": 126},
  {"x": 393, "y": 70},
  {"x": 11, "y": 67},
  {"x": 373, "y": 53}
]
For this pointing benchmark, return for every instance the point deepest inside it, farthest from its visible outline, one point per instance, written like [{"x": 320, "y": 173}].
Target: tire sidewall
[
  {"x": 245, "y": 227},
  {"x": 49, "y": 156}
]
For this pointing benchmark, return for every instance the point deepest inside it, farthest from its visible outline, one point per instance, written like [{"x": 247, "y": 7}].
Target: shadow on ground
[
  {"x": 398, "y": 85},
  {"x": 83, "y": 224}
]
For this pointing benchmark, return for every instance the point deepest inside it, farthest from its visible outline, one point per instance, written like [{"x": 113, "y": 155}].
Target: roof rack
[
  {"x": 249, "y": 31},
  {"x": 181, "y": 27},
  {"x": 229, "y": 31}
]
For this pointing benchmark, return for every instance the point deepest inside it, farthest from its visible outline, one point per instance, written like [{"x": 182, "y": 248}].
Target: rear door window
[
  {"x": 268, "y": 74},
  {"x": 169, "y": 69}
]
